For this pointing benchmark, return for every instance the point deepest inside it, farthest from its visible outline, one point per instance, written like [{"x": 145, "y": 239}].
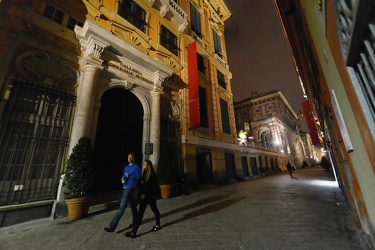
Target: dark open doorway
[{"x": 119, "y": 132}]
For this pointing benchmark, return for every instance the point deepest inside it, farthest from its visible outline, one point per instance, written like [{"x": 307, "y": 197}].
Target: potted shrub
[
  {"x": 166, "y": 177},
  {"x": 79, "y": 179}
]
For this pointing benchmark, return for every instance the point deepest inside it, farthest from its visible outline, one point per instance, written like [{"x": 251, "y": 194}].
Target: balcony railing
[
  {"x": 220, "y": 60},
  {"x": 198, "y": 39}
]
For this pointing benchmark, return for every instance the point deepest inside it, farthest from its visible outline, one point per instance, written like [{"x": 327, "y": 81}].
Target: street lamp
[{"x": 242, "y": 137}]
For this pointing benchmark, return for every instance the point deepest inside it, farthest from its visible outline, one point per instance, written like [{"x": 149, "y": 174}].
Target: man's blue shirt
[{"x": 134, "y": 172}]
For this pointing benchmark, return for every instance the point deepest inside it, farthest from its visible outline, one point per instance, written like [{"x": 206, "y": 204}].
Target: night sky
[{"x": 258, "y": 53}]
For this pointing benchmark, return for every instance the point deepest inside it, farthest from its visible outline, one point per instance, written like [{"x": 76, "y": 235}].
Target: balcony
[
  {"x": 198, "y": 39},
  {"x": 171, "y": 11},
  {"x": 220, "y": 59}
]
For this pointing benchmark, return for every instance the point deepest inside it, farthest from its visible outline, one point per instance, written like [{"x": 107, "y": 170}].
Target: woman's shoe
[
  {"x": 130, "y": 235},
  {"x": 155, "y": 228}
]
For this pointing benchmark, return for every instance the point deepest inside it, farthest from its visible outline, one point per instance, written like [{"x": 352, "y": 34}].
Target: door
[{"x": 119, "y": 132}]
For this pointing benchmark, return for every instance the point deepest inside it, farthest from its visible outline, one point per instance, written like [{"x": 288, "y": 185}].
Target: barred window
[
  {"x": 168, "y": 40},
  {"x": 134, "y": 14}
]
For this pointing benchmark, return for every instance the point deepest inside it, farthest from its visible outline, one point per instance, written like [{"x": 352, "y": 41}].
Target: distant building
[{"x": 271, "y": 123}]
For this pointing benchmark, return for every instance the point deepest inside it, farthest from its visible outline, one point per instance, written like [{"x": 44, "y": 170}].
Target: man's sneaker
[
  {"x": 109, "y": 229},
  {"x": 155, "y": 228},
  {"x": 130, "y": 235}
]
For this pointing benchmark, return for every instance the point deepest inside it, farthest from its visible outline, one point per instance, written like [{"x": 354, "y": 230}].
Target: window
[
  {"x": 217, "y": 44},
  {"x": 246, "y": 126},
  {"x": 168, "y": 40},
  {"x": 60, "y": 17},
  {"x": 257, "y": 111},
  {"x": 221, "y": 79},
  {"x": 72, "y": 23},
  {"x": 203, "y": 107},
  {"x": 224, "y": 116},
  {"x": 195, "y": 18},
  {"x": 54, "y": 14},
  {"x": 201, "y": 67},
  {"x": 134, "y": 14}
]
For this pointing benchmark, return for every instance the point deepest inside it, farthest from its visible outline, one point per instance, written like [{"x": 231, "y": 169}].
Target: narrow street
[{"x": 306, "y": 211}]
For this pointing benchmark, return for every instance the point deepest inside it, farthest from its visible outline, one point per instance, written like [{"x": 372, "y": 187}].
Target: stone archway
[{"x": 119, "y": 131}]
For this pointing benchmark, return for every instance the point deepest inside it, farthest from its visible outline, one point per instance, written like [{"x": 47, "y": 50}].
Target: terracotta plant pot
[
  {"x": 166, "y": 191},
  {"x": 77, "y": 208}
]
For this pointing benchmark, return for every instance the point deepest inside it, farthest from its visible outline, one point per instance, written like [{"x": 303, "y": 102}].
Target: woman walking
[{"x": 149, "y": 190}]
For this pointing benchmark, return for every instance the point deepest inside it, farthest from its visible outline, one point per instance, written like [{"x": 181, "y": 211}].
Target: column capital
[
  {"x": 159, "y": 78},
  {"x": 93, "y": 48},
  {"x": 92, "y": 40}
]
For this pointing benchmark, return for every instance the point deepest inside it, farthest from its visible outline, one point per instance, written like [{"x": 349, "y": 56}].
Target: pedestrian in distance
[
  {"x": 290, "y": 168},
  {"x": 149, "y": 191},
  {"x": 325, "y": 163},
  {"x": 129, "y": 179}
]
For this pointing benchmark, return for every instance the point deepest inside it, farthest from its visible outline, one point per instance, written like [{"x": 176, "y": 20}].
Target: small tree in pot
[
  {"x": 166, "y": 174},
  {"x": 79, "y": 178}
]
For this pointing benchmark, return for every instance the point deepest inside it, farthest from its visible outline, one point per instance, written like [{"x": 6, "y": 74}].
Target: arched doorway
[{"x": 119, "y": 131}]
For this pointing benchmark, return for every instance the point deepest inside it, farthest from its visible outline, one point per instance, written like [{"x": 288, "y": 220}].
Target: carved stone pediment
[
  {"x": 169, "y": 60},
  {"x": 131, "y": 37},
  {"x": 42, "y": 67}
]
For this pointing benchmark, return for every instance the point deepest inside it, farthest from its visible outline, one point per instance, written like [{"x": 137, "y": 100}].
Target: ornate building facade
[
  {"x": 271, "y": 124},
  {"x": 149, "y": 77}
]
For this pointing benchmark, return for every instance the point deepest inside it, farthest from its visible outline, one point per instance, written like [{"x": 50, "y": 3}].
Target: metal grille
[{"x": 34, "y": 134}]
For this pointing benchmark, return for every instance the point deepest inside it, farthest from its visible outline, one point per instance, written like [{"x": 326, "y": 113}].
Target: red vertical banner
[
  {"x": 311, "y": 123},
  {"x": 193, "y": 85}
]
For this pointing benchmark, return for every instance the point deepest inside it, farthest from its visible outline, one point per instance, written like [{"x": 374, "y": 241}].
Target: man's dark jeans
[{"x": 126, "y": 201}]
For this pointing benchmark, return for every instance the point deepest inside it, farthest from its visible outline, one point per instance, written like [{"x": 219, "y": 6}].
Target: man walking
[
  {"x": 129, "y": 179},
  {"x": 290, "y": 169}
]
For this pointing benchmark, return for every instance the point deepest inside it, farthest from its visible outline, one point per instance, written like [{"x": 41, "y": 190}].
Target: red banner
[
  {"x": 193, "y": 85},
  {"x": 311, "y": 123}
]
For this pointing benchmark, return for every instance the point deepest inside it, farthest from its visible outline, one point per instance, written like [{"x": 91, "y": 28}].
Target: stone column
[
  {"x": 155, "y": 126},
  {"x": 155, "y": 116},
  {"x": 85, "y": 100},
  {"x": 91, "y": 63}
]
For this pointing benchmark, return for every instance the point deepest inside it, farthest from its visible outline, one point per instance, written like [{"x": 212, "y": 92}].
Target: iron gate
[{"x": 34, "y": 135}]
